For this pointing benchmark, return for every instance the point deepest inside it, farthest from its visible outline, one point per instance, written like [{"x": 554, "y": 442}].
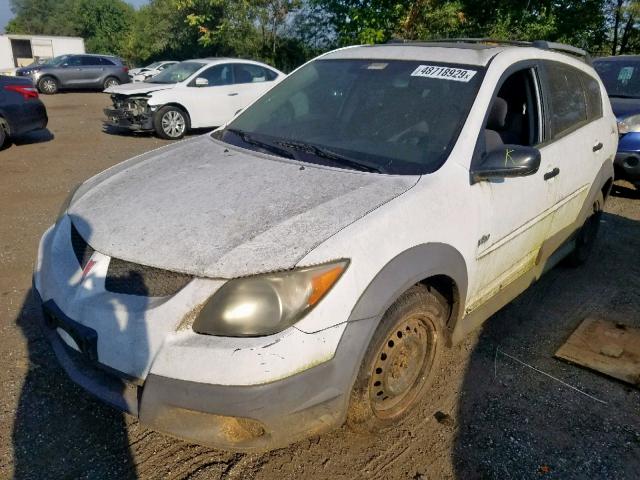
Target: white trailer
[{"x": 21, "y": 50}]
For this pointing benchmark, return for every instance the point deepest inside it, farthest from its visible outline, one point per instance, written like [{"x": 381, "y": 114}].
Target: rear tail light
[
  {"x": 125, "y": 69},
  {"x": 27, "y": 91}
]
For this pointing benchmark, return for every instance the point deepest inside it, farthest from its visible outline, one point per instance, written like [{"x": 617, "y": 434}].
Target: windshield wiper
[
  {"x": 329, "y": 155},
  {"x": 246, "y": 138}
]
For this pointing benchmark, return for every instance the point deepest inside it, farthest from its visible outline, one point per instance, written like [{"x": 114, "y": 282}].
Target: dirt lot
[{"x": 503, "y": 418}]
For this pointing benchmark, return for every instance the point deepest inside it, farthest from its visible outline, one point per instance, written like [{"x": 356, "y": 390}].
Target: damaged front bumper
[
  {"x": 132, "y": 113},
  {"x": 241, "y": 418}
]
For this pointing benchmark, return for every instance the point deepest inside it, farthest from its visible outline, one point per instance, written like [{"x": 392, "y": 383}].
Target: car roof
[
  {"x": 468, "y": 51},
  {"x": 217, "y": 60},
  {"x": 464, "y": 54}
]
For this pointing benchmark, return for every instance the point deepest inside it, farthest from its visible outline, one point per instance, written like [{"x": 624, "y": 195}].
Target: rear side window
[
  {"x": 90, "y": 61},
  {"x": 249, "y": 73},
  {"x": 567, "y": 97},
  {"x": 106, "y": 61},
  {"x": 592, "y": 94}
]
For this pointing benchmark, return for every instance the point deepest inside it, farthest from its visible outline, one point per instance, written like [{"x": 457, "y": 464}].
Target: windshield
[
  {"x": 153, "y": 65},
  {"x": 621, "y": 78},
  {"x": 178, "y": 72},
  {"x": 56, "y": 61},
  {"x": 389, "y": 116}
]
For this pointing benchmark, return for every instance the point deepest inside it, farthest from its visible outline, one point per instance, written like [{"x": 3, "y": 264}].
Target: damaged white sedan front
[{"x": 193, "y": 94}]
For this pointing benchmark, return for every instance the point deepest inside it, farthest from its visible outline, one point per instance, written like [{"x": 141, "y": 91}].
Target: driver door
[
  {"x": 209, "y": 97},
  {"x": 515, "y": 213}
]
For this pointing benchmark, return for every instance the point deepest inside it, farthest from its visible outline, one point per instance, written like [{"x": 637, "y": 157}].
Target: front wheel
[
  {"x": 401, "y": 360},
  {"x": 111, "y": 82},
  {"x": 586, "y": 237},
  {"x": 48, "y": 85},
  {"x": 171, "y": 123}
]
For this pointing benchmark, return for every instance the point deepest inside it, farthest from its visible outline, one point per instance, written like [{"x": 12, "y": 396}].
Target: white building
[{"x": 21, "y": 50}]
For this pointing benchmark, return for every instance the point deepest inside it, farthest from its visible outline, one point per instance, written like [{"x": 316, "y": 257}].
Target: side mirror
[
  {"x": 64, "y": 65},
  {"x": 507, "y": 161},
  {"x": 202, "y": 82}
]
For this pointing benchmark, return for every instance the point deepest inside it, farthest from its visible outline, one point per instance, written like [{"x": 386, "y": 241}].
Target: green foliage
[
  {"x": 103, "y": 23},
  {"x": 285, "y": 33}
]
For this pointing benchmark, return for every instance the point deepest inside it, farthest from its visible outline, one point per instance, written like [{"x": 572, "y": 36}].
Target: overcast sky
[{"x": 6, "y": 14}]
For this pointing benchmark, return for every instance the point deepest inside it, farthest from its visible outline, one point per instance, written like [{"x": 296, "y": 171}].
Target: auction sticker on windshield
[{"x": 446, "y": 73}]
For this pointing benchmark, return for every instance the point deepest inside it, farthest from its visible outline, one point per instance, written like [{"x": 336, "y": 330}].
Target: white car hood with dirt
[
  {"x": 213, "y": 210},
  {"x": 139, "y": 88}
]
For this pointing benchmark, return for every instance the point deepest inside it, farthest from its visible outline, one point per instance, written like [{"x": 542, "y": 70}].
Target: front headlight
[
  {"x": 266, "y": 304},
  {"x": 629, "y": 124}
]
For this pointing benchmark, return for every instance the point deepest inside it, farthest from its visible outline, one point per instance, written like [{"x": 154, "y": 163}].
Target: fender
[{"x": 408, "y": 268}]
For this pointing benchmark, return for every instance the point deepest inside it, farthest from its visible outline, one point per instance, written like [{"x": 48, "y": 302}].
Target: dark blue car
[
  {"x": 21, "y": 110},
  {"x": 621, "y": 78}
]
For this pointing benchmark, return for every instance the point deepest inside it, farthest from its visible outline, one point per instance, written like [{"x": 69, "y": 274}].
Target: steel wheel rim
[
  {"x": 49, "y": 85},
  {"x": 402, "y": 365},
  {"x": 112, "y": 83},
  {"x": 173, "y": 124}
]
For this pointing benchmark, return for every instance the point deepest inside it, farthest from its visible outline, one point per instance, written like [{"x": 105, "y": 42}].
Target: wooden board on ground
[{"x": 607, "y": 347}]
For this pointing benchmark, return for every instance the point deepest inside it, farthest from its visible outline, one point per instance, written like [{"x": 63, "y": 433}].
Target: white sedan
[
  {"x": 142, "y": 73},
  {"x": 191, "y": 94},
  {"x": 150, "y": 71}
]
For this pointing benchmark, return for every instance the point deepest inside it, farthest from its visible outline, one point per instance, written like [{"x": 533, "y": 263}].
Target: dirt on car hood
[
  {"x": 139, "y": 88},
  {"x": 209, "y": 209}
]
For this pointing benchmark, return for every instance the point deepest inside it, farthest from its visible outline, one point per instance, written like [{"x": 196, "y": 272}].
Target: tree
[
  {"x": 625, "y": 15},
  {"x": 104, "y": 24},
  {"x": 49, "y": 17}
]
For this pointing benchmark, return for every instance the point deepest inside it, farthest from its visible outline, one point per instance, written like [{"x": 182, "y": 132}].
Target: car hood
[
  {"x": 213, "y": 210},
  {"x": 138, "y": 88},
  {"x": 624, "y": 107}
]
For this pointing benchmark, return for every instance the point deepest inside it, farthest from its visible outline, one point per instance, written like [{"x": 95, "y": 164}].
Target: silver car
[{"x": 77, "y": 71}]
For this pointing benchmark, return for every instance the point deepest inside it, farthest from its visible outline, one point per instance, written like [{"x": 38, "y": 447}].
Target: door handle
[
  {"x": 232, "y": 94},
  {"x": 597, "y": 146},
  {"x": 551, "y": 173}
]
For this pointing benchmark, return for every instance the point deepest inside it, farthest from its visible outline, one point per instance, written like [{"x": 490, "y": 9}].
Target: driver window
[
  {"x": 74, "y": 61},
  {"x": 218, "y": 75},
  {"x": 514, "y": 115}
]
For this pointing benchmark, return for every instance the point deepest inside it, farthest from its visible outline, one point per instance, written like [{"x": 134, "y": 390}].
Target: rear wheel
[
  {"x": 401, "y": 360},
  {"x": 171, "y": 123},
  {"x": 111, "y": 82},
  {"x": 48, "y": 85},
  {"x": 587, "y": 235},
  {"x": 3, "y": 134}
]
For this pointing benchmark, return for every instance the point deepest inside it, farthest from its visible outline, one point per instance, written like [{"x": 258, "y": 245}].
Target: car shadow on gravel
[
  {"x": 37, "y": 136},
  {"x": 625, "y": 192},
  {"x": 59, "y": 430},
  {"x": 524, "y": 414}
]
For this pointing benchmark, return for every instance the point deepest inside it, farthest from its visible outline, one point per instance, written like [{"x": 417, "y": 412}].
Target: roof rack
[{"x": 541, "y": 44}]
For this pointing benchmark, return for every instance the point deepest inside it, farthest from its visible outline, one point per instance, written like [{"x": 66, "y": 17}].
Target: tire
[
  {"x": 110, "y": 82},
  {"x": 587, "y": 235},
  {"x": 48, "y": 85},
  {"x": 401, "y": 360},
  {"x": 171, "y": 123},
  {"x": 3, "y": 135}
]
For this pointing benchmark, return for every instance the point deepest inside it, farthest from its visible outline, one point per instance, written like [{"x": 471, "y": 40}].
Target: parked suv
[
  {"x": 621, "y": 78},
  {"x": 77, "y": 71},
  {"x": 309, "y": 262}
]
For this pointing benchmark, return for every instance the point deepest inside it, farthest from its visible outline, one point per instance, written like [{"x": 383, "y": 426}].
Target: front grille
[
  {"x": 131, "y": 278},
  {"x": 135, "y": 279},
  {"x": 81, "y": 248}
]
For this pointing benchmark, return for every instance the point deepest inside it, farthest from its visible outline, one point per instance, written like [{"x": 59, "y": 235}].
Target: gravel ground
[{"x": 492, "y": 414}]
